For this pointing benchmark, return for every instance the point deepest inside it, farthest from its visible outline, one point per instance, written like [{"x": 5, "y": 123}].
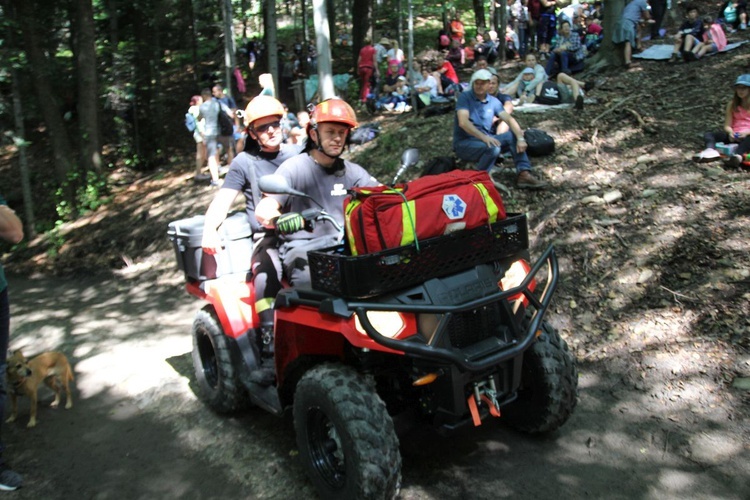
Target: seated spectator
[
  {"x": 480, "y": 62},
  {"x": 594, "y": 34},
  {"x": 688, "y": 36},
  {"x": 447, "y": 78},
  {"x": 396, "y": 54},
  {"x": 528, "y": 90},
  {"x": 507, "y": 101},
  {"x": 714, "y": 38},
  {"x": 456, "y": 55},
  {"x": 626, "y": 28},
  {"x": 443, "y": 40},
  {"x": 565, "y": 89},
  {"x": 733, "y": 13},
  {"x": 736, "y": 127},
  {"x": 427, "y": 89},
  {"x": 474, "y": 139},
  {"x": 395, "y": 92},
  {"x": 567, "y": 53}
]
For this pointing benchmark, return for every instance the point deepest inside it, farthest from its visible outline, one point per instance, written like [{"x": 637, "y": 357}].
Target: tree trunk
[
  {"x": 322, "y": 39},
  {"x": 9, "y": 60},
  {"x": 229, "y": 59},
  {"x": 609, "y": 54},
  {"x": 88, "y": 90},
  {"x": 331, "y": 14},
  {"x": 360, "y": 24},
  {"x": 272, "y": 46},
  {"x": 303, "y": 6},
  {"x": 46, "y": 95},
  {"x": 479, "y": 15}
]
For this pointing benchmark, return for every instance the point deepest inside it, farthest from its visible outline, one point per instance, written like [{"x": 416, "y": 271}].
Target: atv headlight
[
  {"x": 387, "y": 323},
  {"x": 427, "y": 325}
]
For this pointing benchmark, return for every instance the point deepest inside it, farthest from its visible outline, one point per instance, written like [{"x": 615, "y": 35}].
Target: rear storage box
[{"x": 186, "y": 236}]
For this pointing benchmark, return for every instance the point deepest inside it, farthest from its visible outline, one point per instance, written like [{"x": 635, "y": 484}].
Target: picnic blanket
[
  {"x": 542, "y": 108},
  {"x": 664, "y": 52}
]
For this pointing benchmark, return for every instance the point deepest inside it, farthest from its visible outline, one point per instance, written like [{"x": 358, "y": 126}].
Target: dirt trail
[{"x": 137, "y": 429}]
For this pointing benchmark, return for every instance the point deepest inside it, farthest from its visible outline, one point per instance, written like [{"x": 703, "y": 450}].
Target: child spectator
[
  {"x": 714, "y": 39},
  {"x": 626, "y": 28},
  {"x": 540, "y": 75},
  {"x": 736, "y": 126},
  {"x": 689, "y": 35},
  {"x": 733, "y": 13},
  {"x": 456, "y": 55}
]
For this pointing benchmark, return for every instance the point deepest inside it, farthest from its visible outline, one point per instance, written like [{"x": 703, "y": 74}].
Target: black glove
[{"x": 289, "y": 223}]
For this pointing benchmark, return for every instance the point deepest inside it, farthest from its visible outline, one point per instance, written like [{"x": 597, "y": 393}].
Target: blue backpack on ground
[{"x": 190, "y": 122}]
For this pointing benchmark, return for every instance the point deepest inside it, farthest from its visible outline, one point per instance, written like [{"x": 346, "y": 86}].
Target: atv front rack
[{"x": 489, "y": 352}]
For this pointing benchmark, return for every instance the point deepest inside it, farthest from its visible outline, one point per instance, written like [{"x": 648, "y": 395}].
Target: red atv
[{"x": 452, "y": 333}]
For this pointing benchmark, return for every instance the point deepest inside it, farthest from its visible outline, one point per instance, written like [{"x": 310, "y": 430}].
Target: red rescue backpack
[{"x": 384, "y": 217}]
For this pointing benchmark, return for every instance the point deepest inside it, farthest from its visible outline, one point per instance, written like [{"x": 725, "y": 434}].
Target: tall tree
[
  {"x": 229, "y": 60},
  {"x": 87, "y": 101},
  {"x": 272, "y": 46},
  {"x": 49, "y": 102},
  {"x": 479, "y": 15},
  {"x": 361, "y": 10},
  {"x": 331, "y": 13},
  {"x": 609, "y": 54}
]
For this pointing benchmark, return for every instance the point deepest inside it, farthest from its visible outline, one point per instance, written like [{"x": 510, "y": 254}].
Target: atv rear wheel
[
  {"x": 218, "y": 382},
  {"x": 549, "y": 386},
  {"x": 345, "y": 436}
]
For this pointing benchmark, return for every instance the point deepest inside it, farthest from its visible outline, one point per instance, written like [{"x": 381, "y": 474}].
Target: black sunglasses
[{"x": 264, "y": 128}]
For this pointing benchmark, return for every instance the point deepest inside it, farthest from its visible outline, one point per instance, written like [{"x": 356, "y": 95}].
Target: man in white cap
[{"x": 473, "y": 137}]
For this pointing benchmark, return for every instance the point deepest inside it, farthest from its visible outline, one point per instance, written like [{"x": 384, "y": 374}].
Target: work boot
[
  {"x": 265, "y": 374},
  {"x": 527, "y": 181}
]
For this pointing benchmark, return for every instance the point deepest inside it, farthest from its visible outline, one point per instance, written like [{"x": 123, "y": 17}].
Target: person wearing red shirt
[
  {"x": 447, "y": 76},
  {"x": 366, "y": 68}
]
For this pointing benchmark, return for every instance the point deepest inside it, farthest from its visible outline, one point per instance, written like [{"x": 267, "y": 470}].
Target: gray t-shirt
[
  {"x": 209, "y": 111},
  {"x": 632, "y": 11},
  {"x": 324, "y": 186},
  {"x": 240, "y": 177}
]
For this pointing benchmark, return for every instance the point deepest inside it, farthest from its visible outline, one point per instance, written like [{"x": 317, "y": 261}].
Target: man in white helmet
[{"x": 264, "y": 152}]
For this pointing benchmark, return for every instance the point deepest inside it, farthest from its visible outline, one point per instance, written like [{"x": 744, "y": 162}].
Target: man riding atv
[{"x": 321, "y": 173}]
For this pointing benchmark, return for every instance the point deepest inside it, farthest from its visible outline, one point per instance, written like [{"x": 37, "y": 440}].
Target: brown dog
[{"x": 25, "y": 377}]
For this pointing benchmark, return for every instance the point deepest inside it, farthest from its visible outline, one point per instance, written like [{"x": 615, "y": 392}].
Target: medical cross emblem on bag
[{"x": 454, "y": 207}]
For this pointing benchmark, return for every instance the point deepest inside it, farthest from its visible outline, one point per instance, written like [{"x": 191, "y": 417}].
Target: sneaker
[
  {"x": 389, "y": 106},
  {"x": 589, "y": 85},
  {"x": 743, "y": 26},
  {"x": 9, "y": 479},
  {"x": 734, "y": 160},
  {"x": 579, "y": 103},
  {"x": 707, "y": 155},
  {"x": 674, "y": 59},
  {"x": 407, "y": 108},
  {"x": 527, "y": 181},
  {"x": 690, "y": 56},
  {"x": 201, "y": 178},
  {"x": 400, "y": 107}
]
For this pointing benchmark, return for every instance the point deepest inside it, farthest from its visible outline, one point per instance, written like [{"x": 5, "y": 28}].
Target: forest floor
[{"x": 654, "y": 302}]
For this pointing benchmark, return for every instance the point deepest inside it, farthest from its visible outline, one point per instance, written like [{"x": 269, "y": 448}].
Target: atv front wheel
[
  {"x": 549, "y": 386},
  {"x": 218, "y": 382},
  {"x": 346, "y": 438}
]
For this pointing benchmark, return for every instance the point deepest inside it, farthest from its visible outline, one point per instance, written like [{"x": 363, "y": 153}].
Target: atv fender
[{"x": 232, "y": 301}]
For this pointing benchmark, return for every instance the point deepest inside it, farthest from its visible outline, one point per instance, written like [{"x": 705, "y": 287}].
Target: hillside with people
[{"x": 644, "y": 197}]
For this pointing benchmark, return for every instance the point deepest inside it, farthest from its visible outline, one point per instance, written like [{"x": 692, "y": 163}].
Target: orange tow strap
[{"x": 495, "y": 412}]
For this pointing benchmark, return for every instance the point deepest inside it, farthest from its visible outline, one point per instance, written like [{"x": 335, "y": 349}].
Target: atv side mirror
[
  {"x": 276, "y": 184},
  {"x": 410, "y": 157}
]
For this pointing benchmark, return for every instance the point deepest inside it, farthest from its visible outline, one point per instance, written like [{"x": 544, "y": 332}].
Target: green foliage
[{"x": 90, "y": 192}]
